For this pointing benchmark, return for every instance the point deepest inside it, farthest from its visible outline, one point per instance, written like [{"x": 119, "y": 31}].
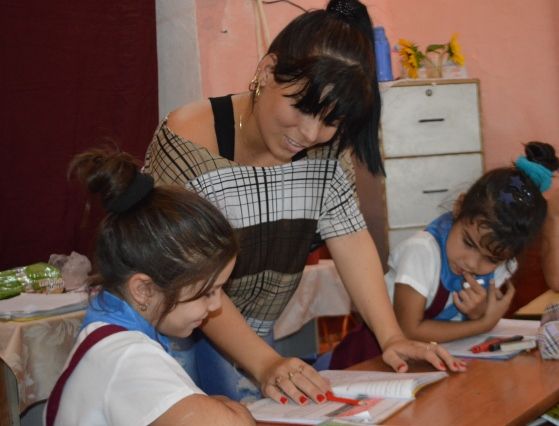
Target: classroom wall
[{"x": 510, "y": 45}]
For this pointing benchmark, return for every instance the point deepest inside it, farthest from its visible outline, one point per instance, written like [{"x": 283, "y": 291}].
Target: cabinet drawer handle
[
  {"x": 430, "y": 120},
  {"x": 434, "y": 191}
]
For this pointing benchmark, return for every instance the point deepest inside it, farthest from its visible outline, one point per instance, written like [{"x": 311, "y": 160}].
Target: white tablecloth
[
  {"x": 36, "y": 351},
  {"x": 320, "y": 293}
]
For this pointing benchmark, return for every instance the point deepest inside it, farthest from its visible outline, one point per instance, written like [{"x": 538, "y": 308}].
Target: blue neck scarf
[
  {"x": 106, "y": 307},
  {"x": 440, "y": 228}
]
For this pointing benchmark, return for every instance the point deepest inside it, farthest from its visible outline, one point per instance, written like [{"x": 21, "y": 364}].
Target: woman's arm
[
  {"x": 358, "y": 264},
  {"x": 205, "y": 410},
  {"x": 230, "y": 332},
  {"x": 550, "y": 240}
]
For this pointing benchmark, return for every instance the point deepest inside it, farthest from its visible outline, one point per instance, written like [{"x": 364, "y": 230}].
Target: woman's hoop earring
[
  {"x": 254, "y": 86},
  {"x": 143, "y": 307}
]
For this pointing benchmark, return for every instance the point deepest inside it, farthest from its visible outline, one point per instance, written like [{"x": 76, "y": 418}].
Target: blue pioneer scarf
[
  {"x": 440, "y": 228},
  {"x": 108, "y": 308}
]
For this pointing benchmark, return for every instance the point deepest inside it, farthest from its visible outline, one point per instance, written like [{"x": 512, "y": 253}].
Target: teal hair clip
[{"x": 537, "y": 173}]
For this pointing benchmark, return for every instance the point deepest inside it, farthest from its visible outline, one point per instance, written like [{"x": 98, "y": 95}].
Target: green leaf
[{"x": 435, "y": 47}]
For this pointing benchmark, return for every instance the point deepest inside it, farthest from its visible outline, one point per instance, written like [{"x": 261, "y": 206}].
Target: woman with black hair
[{"x": 269, "y": 159}]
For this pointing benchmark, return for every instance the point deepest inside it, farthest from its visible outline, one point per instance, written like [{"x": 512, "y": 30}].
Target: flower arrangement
[{"x": 433, "y": 59}]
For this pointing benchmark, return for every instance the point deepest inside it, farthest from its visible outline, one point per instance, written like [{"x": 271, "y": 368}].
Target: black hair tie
[{"x": 141, "y": 186}]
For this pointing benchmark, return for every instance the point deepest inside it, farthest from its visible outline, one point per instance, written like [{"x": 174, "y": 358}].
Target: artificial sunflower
[
  {"x": 455, "y": 51},
  {"x": 411, "y": 56}
]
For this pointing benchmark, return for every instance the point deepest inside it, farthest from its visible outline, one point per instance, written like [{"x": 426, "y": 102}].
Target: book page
[
  {"x": 371, "y": 412},
  {"x": 379, "y": 384}
]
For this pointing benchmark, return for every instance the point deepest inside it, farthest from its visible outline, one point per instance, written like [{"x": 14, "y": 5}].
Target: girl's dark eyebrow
[{"x": 469, "y": 239}]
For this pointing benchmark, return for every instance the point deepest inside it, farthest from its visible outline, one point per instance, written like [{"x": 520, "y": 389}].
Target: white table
[{"x": 36, "y": 351}]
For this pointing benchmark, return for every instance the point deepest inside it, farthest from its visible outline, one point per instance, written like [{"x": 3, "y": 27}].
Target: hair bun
[
  {"x": 349, "y": 10},
  {"x": 542, "y": 153}
]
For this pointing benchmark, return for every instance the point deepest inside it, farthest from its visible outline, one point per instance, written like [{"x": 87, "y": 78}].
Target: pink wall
[{"x": 510, "y": 45}]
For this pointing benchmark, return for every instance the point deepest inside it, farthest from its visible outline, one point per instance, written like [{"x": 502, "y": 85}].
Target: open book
[{"x": 381, "y": 395}]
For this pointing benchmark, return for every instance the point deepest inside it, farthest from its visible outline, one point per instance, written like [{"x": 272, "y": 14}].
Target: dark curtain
[{"x": 73, "y": 75}]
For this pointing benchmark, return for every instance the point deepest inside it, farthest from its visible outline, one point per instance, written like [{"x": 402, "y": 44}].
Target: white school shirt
[
  {"x": 124, "y": 379},
  {"x": 416, "y": 262}
]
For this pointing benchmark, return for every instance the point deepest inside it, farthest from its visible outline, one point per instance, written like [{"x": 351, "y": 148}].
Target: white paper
[
  {"x": 379, "y": 384},
  {"x": 36, "y": 304},
  {"x": 505, "y": 327}
]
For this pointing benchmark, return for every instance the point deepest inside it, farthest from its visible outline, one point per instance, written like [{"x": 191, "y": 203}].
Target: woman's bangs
[{"x": 332, "y": 91}]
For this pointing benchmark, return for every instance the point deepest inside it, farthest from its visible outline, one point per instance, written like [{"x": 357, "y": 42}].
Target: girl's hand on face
[
  {"x": 396, "y": 353},
  {"x": 498, "y": 302},
  {"x": 472, "y": 300},
  {"x": 293, "y": 378}
]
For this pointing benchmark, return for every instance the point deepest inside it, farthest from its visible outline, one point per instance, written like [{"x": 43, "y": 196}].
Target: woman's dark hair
[
  {"x": 332, "y": 53},
  {"x": 509, "y": 204},
  {"x": 170, "y": 234}
]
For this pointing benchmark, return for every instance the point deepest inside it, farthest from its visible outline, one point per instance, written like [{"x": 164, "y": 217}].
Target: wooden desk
[
  {"x": 511, "y": 392},
  {"x": 535, "y": 308}
]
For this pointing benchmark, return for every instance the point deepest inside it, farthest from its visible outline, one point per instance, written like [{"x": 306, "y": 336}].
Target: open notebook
[
  {"x": 504, "y": 328},
  {"x": 381, "y": 395}
]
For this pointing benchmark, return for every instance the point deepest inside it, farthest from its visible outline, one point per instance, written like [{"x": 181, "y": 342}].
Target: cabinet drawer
[
  {"x": 420, "y": 189},
  {"x": 430, "y": 119}
]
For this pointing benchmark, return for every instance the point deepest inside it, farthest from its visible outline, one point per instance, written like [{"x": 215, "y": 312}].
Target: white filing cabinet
[{"x": 431, "y": 140}]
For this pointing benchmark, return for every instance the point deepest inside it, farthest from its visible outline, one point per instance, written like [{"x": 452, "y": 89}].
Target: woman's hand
[
  {"x": 293, "y": 378},
  {"x": 397, "y": 352},
  {"x": 472, "y": 300}
]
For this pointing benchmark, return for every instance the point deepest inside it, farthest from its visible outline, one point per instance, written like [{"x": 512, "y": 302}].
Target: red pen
[
  {"x": 484, "y": 347},
  {"x": 349, "y": 401}
]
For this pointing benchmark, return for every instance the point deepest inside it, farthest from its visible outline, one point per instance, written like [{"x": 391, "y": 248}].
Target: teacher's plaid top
[{"x": 276, "y": 212}]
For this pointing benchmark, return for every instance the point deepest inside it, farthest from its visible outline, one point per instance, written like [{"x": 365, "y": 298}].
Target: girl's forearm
[{"x": 445, "y": 331}]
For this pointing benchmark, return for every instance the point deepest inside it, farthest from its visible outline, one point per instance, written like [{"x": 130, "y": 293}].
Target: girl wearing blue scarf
[
  {"x": 451, "y": 280},
  {"x": 162, "y": 256}
]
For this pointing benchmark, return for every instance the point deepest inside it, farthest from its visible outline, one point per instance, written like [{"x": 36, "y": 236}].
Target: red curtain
[{"x": 73, "y": 75}]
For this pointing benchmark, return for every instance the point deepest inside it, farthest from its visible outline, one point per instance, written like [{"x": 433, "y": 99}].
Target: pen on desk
[
  {"x": 349, "y": 401},
  {"x": 524, "y": 345},
  {"x": 485, "y": 346},
  {"x": 497, "y": 346}
]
